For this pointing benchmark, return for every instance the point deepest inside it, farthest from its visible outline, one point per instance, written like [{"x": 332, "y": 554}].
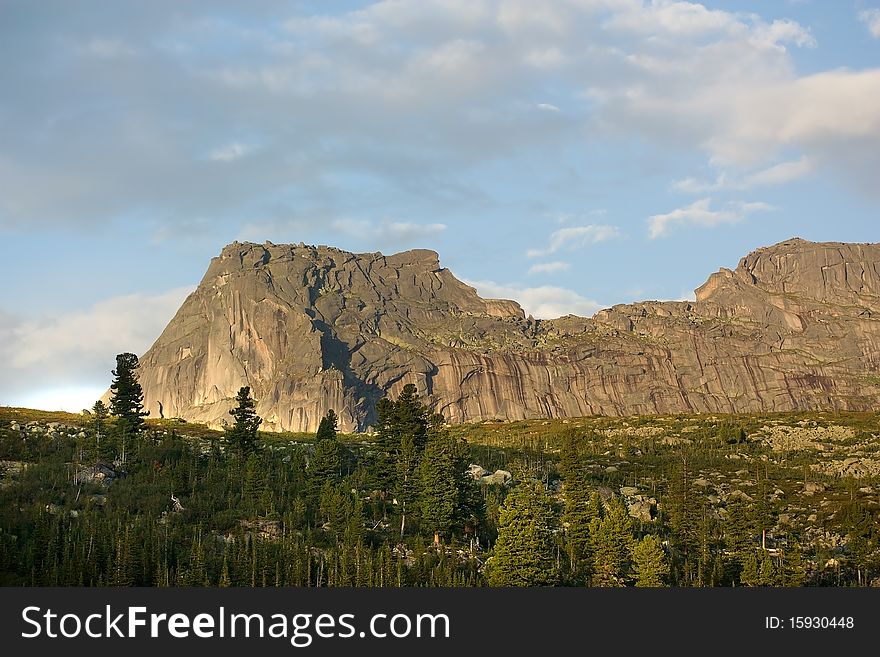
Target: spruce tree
[
  {"x": 793, "y": 570},
  {"x": 612, "y": 545},
  {"x": 524, "y": 551},
  {"x": 649, "y": 562},
  {"x": 767, "y": 571},
  {"x": 99, "y": 418},
  {"x": 738, "y": 537},
  {"x": 127, "y": 396},
  {"x": 99, "y": 426},
  {"x": 325, "y": 464},
  {"x": 402, "y": 433},
  {"x": 439, "y": 492},
  {"x": 241, "y": 437},
  {"x": 750, "y": 575},
  {"x": 580, "y": 508}
]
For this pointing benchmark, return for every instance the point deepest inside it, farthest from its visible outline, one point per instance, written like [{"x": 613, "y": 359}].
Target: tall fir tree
[
  {"x": 793, "y": 570},
  {"x": 580, "y": 508},
  {"x": 127, "y": 396},
  {"x": 438, "y": 481},
  {"x": 524, "y": 552},
  {"x": 241, "y": 436},
  {"x": 612, "y": 541},
  {"x": 649, "y": 562},
  {"x": 750, "y": 574},
  {"x": 325, "y": 464},
  {"x": 402, "y": 434},
  {"x": 767, "y": 575},
  {"x": 99, "y": 417}
]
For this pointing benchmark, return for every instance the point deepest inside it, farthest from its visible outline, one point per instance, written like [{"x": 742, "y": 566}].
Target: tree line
[{"x": 398, "y": 509}]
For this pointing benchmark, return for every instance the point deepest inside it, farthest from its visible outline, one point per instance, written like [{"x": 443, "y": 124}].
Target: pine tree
[
  {"x": 793, "y": 570},
  {"x": 750, "y": 576},
  {"x": 580, "y": 508},
  {"x": 127, "y": 396},
  {"x": 327, "y": 426},
  {"x": 439, "y": 493},
  {"x": 402, "y": 434},
  {"x": 612, "y": 545},
  {"x": 241, "y": 437},
  {"x": 99, "y": 418},
  {"x": 649, "y": 562},
  {"x": 738, "y": 537},
  {"x": 325, "y": 464},
  {"x": 767, "y": 571},
  {"x": 524, "y": 551}
]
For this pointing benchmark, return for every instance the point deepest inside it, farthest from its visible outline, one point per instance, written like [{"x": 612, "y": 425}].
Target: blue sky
[{"x": 570, "y": 154}]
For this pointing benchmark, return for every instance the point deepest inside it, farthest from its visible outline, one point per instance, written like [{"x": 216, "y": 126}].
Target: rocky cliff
[{"x": 794, "y": 326}]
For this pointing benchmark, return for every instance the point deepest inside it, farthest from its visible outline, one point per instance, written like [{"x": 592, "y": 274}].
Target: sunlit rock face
[{"x": 795, "y": 326}]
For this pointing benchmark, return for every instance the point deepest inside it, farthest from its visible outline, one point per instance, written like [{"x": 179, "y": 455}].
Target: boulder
[
  {"x": 641, "y": 508},
  {"x": 476, "y": 472},
  {"x": 499, "y": 477}
]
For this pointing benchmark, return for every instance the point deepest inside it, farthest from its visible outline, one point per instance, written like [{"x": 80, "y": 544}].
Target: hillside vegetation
[{"x": 783, "y": 499}]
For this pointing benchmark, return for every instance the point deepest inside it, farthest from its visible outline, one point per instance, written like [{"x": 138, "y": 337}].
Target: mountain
[{"x": 795, "y": 326}]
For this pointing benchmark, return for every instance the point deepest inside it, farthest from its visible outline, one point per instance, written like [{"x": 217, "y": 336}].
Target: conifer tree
[
  {"x": 127, "y": 396},
  {"x": 402, "y": 434},
  {"x": 767, "y": 571},
  {"x": 241, "y": 437},
  {"x": 750, "y": 575},
  {"x": 580, "y": 508},
  {"x": 524, "y": 551},
  {"x": 325, "y": 464},
  {"x": 612, "y": 545},
  {"x": 649, "y": 562},
  {"x": 439, "y": 486},
  {"x": 99, "y": 418},
  {"x": 793, "y": 570}
]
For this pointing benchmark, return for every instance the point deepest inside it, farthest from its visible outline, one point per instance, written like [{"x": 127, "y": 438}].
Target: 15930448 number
[{"x": 821, "y": 622}]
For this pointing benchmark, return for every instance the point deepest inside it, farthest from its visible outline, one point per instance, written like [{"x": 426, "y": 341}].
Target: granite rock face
[{"x": 795, "y": 326}]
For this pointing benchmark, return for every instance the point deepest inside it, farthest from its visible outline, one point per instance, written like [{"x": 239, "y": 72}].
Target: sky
[{"x": 568, "y": 154}]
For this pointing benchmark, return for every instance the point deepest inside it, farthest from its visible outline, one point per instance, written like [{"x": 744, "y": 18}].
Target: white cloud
[
  {"x": 549, "y": 267},
  {"x": 77, "y": 350},
  {"x": 780, "y": 32},
  {"x": 871, "y": 18},
  {"x": 414, "y": 94},
  {"x": 229, "y": 152},
  {"x": 575, "y": 237},
  {"x": 544, "y": 302},
  {"x": 700, "y": 213},
  {"x": 778, "y": 174}
]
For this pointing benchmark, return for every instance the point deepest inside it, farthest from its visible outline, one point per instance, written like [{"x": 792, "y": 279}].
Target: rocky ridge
[{"x": 795, "y": 326}]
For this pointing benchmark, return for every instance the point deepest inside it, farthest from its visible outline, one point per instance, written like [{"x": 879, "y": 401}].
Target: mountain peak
[{"x": 314, "y": 327}]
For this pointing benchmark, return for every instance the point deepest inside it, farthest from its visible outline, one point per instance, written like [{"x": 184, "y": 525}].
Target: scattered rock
[
  {"x": 100, "y": 473},
  {"x": 642, "y": 508},
  {"x": 739, "y": 495},
  {"x": 262, "y": 527},
  {"x": 476, "y": 472},
  {"x": 501, "y": 477}
]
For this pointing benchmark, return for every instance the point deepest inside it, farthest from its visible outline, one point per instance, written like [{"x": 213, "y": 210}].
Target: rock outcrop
[{"x": 795, "y": 326}]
